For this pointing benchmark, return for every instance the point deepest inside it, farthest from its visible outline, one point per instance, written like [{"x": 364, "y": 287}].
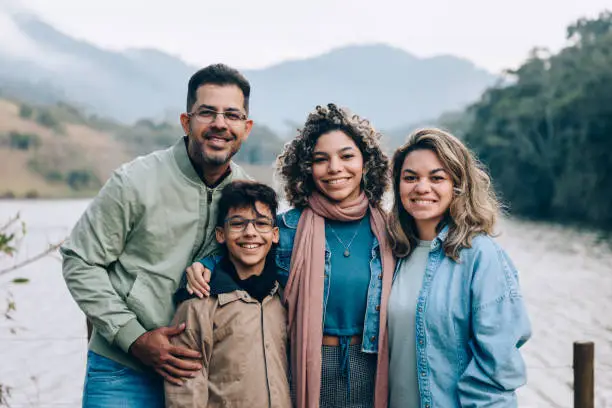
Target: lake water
[{"x": 566, "y": 278}]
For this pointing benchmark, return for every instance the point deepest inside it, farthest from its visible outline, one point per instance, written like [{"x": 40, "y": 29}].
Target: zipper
[
  {"x": 202, "y": 245},
  {"x": 263, "y": 339},
  {"x": 209, "y": 197}
]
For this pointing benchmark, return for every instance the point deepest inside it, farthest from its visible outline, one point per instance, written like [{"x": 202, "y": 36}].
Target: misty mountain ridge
[{"x": 385, "y": 84}]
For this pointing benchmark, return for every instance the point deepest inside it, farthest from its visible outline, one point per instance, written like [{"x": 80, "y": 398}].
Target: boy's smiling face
[{"x": 248, "y": 236}]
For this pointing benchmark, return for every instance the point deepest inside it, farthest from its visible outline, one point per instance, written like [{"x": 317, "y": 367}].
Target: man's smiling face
[{"x": 214, "y": 142}]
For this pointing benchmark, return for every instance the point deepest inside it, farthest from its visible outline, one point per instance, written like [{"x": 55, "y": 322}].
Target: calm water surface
[{"x": 566, "y": 277}]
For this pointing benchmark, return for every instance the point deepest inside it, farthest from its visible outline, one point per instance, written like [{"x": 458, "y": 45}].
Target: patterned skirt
[{"x": 351, "y": 386}]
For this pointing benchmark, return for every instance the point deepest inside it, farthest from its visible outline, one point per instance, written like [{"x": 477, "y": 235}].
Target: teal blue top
[{"x": 349, "y": 276}]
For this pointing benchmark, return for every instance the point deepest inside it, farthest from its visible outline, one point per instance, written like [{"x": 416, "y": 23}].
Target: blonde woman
[{"x": 456, "y": 316}]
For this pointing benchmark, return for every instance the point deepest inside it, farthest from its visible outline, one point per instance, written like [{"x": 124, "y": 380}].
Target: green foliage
[
  {"x": 145, "y": 136},
  {"x": 26, "y": 111},
  {"x": 45, "y": 118},
  {"x": 261, "y": 147},
  {"x": 54, "y": 176},
  {"x": 23, "y": 141},
  {"x": 6, "y": 243},
  {"x": 546, "y": 136},
  {"x": 77, "y": 178},
  {"x": 83, "y": 179}
]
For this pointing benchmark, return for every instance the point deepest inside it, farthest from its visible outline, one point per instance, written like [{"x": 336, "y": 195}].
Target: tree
[
  {"x": 25, "y": 111},
  {"x": 23, "y": 141},
  {"x": 545, "y": 137}
]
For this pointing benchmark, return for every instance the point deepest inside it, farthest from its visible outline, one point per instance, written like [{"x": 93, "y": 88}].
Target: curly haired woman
[
  {"x": 341, "y": 266},
  {"x": 335, "y": 261},
  {"x": 456, "y": 315}
]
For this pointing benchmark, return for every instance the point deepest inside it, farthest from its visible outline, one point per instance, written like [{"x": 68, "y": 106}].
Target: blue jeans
[{"x": 110, "y": 384}]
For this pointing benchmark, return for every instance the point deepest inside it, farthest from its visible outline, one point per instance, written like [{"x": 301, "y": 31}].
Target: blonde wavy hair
[
  {"x": 294, "y": 165},
  {"x": 474, "y": 208}
]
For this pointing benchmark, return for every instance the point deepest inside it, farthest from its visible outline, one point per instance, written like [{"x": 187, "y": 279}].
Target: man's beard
[{"x": 218, "y": 158}]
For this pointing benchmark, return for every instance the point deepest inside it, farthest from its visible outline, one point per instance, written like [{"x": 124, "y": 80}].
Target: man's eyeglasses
[
  {"x": 239, "y": 224},
  {"x": 207, "y": 116}
]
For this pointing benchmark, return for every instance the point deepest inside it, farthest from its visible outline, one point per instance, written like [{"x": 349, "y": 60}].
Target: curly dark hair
[{"x": 294, "y": 165}]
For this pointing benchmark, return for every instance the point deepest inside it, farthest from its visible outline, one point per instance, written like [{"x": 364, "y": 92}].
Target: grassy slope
[{"x": 75, "y": 147}]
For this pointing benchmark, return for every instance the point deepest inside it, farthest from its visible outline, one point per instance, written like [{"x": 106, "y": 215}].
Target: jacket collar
[
  {"x": 440, "y": 238},
  {"x": 221, "y": 285},
  {"x": 238, "y": 294},
  {"x": 291, "y": 218}
]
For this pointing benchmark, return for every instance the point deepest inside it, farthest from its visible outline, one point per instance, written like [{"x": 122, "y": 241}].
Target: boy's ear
[
  {"x": 275, "y": 235},
  {"x": 220, "y": 235}
]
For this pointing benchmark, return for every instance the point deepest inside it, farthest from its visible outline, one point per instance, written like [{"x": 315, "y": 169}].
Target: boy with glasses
[{"x": 240, "y": 330}]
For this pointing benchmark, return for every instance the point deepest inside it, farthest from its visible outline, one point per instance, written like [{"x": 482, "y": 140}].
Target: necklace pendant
[{"x": 347, "y": 253}]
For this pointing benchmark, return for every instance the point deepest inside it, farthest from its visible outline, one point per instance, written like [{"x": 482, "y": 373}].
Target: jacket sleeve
[
  {"x": 197, "y": 336},
  {"x": 96, "y": 241},
  {"x": 500, "y": 326},
  {"x": 210, "y": 262}
]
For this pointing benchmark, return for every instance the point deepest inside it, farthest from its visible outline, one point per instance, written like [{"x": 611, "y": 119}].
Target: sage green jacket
[{"x": 127, "y": 253}]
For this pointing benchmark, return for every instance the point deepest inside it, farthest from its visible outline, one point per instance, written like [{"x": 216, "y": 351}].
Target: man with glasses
[
  {"x": 126, "y": 255},
  {"x": 241, "y": 328}
]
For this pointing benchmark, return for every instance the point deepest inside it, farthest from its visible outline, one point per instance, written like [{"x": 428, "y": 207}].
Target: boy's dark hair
[
  {"x": 217, "y": 74},
  {"x": 244, "y": 194}
]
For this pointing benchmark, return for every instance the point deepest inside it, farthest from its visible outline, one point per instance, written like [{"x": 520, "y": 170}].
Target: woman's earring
[{"x": 457, "y": 190}]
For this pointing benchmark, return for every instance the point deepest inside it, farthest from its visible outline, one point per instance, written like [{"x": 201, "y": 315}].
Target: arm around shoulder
[{"x": 500, "y": 326}]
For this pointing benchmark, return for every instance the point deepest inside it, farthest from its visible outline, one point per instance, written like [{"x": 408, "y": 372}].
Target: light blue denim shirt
[
  {"x": 287, "y": 223},
  {"x": 470, "y": 323}
]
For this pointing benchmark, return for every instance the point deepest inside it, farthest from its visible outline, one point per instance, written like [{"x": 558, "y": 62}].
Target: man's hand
[
  {"x": 197, "y": 280},
  {"x": 174, "y": 363}
]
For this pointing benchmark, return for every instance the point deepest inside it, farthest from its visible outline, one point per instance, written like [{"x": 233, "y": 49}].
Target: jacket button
[
  {"x": 380, "y": 276},
  {"x": 373, "y": 338},
  {"x": 421, "y": 342},
  {"x": 377, "y": 308},
  {"x": 423, "y": 373}
]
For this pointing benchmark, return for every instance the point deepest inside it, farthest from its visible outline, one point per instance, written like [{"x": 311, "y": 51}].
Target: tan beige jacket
[{"x": 244, "y": 344}]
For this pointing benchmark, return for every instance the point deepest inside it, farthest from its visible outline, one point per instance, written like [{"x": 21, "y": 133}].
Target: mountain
[{"x": 385, "y": 84}]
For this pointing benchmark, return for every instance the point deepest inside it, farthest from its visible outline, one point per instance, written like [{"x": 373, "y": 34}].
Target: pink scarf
[{"x": 304, "y": 295}]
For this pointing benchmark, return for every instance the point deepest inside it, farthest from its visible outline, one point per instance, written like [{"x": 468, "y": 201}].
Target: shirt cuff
[{"x": 128, "y": 334}]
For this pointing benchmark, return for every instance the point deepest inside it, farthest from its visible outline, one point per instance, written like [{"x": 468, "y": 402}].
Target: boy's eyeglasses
[{"x": 239, "y": 224}]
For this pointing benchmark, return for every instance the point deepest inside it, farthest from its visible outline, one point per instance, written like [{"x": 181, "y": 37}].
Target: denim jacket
[
  {"x": 287, "y": 223},
  {"x": 470, "y": 323}
]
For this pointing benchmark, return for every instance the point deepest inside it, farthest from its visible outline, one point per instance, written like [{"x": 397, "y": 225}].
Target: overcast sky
[{"x": 258, "y": 33}]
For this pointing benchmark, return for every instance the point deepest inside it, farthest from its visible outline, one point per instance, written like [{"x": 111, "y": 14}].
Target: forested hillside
[{"x": 547, "y": 137}]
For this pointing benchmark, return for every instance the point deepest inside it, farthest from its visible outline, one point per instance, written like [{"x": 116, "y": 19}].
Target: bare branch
[
  {"x": 52, "y": 248},
  {"x": 10, "y": 222}
]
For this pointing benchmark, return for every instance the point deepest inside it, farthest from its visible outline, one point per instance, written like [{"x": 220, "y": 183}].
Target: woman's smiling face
[
  {"x": 337, "y": 166},
  {"x": 425, "y": 189}
]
